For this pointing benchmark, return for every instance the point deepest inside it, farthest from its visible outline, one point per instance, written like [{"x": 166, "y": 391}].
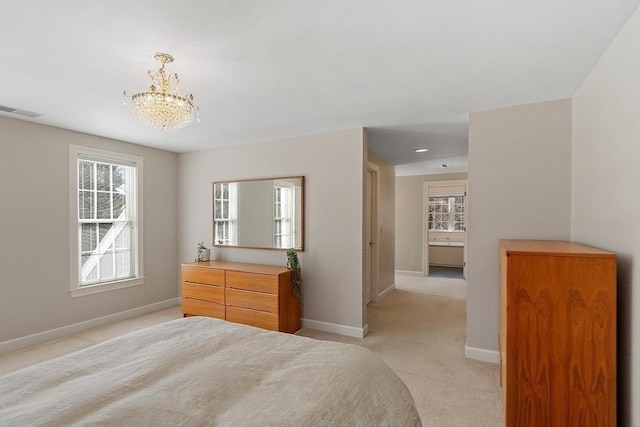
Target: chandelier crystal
[{"x": 162, "y": 107}]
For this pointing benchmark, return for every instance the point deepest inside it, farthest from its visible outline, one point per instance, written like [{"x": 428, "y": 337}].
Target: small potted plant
[
  {"x": 203, "y": 253},
  {"x": 293, "y": 264}
]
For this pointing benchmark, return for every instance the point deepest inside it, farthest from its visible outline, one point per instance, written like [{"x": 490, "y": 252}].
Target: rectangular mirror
[{"x": 261, "y": 213}]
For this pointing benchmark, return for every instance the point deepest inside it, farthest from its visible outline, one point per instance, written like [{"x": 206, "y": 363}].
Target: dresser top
[
  {"x": 553, "y": 247},
  {"x": 239, "y": 266}
]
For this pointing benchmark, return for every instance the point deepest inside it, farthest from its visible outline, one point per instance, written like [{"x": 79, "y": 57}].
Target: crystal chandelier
[{"x": 162, "y": 107}]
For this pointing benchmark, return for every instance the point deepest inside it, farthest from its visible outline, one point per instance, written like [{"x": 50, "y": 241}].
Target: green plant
[
  {"x": 201, "y": 249},
  {"x": 293, "y": 264}
]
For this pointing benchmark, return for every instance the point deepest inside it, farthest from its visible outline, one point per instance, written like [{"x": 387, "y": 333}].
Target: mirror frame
[{"x": 238, "y": 181}]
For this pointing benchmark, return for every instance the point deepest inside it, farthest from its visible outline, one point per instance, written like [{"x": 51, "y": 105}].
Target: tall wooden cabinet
[
  {"x": 252, "y": 294},
  {"x": 557, "y": 334}
]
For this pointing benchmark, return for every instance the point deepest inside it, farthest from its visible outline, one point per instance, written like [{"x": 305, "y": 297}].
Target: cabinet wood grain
[{"x": 557, "y": 334}]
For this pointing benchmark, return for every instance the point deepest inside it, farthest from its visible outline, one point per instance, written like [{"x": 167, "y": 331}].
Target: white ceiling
[{"x": 409, "y": 71}]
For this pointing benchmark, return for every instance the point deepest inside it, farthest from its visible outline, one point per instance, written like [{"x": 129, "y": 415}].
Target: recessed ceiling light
[
  {"x": 444, "y": 165},
  {"x": 421, "y": 150}
]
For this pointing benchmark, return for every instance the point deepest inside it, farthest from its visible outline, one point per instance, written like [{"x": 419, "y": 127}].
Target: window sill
[{"x": 106, "y": 287}]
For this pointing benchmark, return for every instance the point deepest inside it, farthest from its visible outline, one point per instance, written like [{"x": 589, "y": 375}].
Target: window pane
[
  {"x": 123, "y": 264},
  {"x": 103, "y": 177},
  {"x": 118, "y": 178},
  {"x": 106, "y": 236},
  {"x": 119, "y": 203},
  {"x": 85, "y": 175},
  {"x": 219, "y": 232},
  {"x": 88, "y": 237},
  {"x": 107, "y": 267},
  {"x": 85, "y": 205},
  {"x": 104, "y": 205},
  {"x": 123, "y": 239},
  {"x": 89, "y": 269}
]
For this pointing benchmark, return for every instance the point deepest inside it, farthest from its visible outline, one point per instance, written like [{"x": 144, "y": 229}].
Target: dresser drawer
[
  {"x": 209, "y": 276},
  {"x": 257, "y": 318},
  {"x": 252, "y": 282},
  {"x": 254, "y": 300},
  {"x": 196, "y": 307},
  {"x": 203, "y": 292}
]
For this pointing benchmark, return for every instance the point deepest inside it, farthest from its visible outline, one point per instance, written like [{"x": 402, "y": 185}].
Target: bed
[{"x": 201, "y": 371}]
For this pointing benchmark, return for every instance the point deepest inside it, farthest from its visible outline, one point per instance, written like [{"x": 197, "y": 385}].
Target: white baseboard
[
  {"x": 52, "y": 334},
  {"x": 410, "y": 273},
  {"x": 481, "y": 354},
  {"x": 334, "y": 328},
  {"x": 386, "y": 292}
]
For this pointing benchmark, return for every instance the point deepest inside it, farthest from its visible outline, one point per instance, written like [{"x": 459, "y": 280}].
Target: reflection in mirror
[{"x": 263, "y": 213}]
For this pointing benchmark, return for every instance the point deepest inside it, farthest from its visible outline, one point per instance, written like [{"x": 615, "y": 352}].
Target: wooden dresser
[
  {"x": 252, "y": 294},
  {"x": 557, "y": 334}
]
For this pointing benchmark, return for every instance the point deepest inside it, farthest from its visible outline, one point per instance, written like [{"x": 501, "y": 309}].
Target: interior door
[
  {"x": 464, "y": 249},
  {"x": 369, "y": 238}
]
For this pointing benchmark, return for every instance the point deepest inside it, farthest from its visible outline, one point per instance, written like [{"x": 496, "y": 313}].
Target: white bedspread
[{"x": 201, "y": 371}]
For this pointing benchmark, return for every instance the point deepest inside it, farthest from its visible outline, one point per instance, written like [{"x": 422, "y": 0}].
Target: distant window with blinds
[
  {"x": 225, "y": 213},
  {"x": 106, "y": 248},
  {"x": 446, "y": 213}
]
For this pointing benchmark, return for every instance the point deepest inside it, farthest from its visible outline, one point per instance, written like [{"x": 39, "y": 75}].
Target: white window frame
[{"x": 77, "y": 152}]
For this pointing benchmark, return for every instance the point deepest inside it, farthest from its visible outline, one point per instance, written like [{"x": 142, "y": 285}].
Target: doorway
[{"x": 445, "y": 230}]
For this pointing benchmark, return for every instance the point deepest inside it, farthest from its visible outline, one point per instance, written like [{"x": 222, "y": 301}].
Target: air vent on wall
[{"x": 19, "y": 112}]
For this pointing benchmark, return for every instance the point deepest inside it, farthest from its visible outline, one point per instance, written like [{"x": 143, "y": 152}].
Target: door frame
[{"x": 374, "y": 268}]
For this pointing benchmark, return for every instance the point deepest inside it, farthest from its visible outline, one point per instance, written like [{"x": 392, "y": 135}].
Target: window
[
  {"x": 446, "y": 213},
  {"x": 105, "y": 220},
  {"x": 225, "y": 208},
  {"x": 283, "y": 215}
]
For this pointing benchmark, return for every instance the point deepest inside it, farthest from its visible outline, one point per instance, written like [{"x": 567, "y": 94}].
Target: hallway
[{"x": 441, "y": 286}]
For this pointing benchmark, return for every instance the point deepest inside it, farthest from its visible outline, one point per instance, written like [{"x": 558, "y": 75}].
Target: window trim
[{"x": 76, "y": 152}]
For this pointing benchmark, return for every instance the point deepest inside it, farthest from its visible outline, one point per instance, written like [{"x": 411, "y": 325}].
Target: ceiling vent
[{"x": 19, "y": 112}]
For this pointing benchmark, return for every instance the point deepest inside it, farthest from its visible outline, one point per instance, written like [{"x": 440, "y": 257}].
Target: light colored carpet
[
  {"x": 418, "y": 332},
  {"x": 421, "y": 335}
]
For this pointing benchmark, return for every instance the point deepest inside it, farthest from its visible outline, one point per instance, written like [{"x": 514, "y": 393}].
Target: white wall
[
  {"x": 606, "y": 190},
  {"x": 519, "y": 188},
  {"x": 386, "y": 223},
  {"x": 333, "y": 167},
  {"x": 409, "y": 206},
  {"x": 34, "y": 230}
]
